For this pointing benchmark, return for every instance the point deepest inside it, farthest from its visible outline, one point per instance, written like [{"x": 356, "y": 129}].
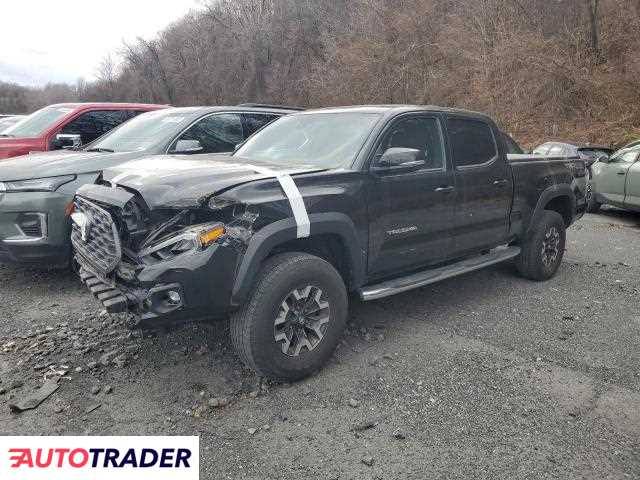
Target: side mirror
[
  {"x": 397, "y": 158},
  {"x": 603, "y": 159},
  {"x": 67, "y": 140},
  {"x": 187, "y": 146}
]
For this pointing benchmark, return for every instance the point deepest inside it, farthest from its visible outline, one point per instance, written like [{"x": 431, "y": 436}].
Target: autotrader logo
[{"x": 69, "y": 458}]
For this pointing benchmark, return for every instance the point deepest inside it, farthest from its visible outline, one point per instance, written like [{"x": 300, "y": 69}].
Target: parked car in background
[
  {"x": 585, "y": 151},
  {"x": 632, "y": 144},
  {"x": 375, "y": 200},
  {"x": 616, "y": 181},
  {"x": 66, "y": 125},
  {"x": 7, "y": 120},
  {"x": 36, "y": 190}
]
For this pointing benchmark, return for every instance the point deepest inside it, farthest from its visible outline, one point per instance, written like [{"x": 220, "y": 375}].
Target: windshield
[
  {"x": 325, "y": 140},
  {"x": 7, "y": 122},
  {"x": 144, "y": 131},
  {"x": 37, "y": 123}
]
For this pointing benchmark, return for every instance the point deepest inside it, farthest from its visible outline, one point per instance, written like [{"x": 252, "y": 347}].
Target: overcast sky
[{"x": 45, "y": 41}]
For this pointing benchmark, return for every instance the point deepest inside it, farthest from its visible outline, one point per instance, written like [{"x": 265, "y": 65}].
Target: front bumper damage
[
  {"x": 200, "y": 287},
  {"x": 193, "y": 285}
]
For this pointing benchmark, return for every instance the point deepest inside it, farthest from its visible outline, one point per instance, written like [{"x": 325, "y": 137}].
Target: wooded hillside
[{"x": 545, "y": 69}]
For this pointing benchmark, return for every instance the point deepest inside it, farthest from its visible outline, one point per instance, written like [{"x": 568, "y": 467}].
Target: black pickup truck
[{"x": 374, "y": 200}]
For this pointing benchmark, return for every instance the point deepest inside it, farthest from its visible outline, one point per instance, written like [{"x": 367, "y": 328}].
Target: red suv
[{"x": 66, "y": 125}]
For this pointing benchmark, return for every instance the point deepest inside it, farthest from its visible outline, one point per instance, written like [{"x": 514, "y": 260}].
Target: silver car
[{"x": 616, "y": 180}]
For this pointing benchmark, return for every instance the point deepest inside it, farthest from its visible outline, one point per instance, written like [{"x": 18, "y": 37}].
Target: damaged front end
[{"x": 174, "y": 262}]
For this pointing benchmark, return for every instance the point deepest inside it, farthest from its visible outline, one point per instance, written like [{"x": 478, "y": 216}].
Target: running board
[{"x": 427, "y": 277}]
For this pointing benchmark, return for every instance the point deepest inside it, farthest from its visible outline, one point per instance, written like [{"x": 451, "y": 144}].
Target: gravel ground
[{"x": 483, "y": 376}]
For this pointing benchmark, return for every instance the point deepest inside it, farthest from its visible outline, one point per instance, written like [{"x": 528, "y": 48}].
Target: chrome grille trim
[{"x": 101, "y": 248}]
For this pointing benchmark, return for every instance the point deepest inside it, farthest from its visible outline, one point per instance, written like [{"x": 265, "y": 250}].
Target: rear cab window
[{"x": 472, "y": 142}]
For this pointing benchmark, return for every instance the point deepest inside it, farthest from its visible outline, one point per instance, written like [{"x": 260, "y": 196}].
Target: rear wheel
[
  {"x": 542, "y": 253},
  {"x": 293, "y": 319}
]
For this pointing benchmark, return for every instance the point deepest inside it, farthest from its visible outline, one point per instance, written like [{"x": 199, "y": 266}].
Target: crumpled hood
[
  {"x": 60, "y": 162},
  {"x": 184, "y": 181}
]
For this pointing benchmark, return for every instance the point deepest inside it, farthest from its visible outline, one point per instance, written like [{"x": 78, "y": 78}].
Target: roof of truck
[{"x": 394, "y": 109}]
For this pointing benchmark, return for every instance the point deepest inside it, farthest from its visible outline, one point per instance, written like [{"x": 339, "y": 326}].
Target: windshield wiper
[{"x": 107, "y": 150}]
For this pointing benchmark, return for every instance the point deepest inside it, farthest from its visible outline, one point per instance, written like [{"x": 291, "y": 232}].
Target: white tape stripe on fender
[
  {"x": 294, "y": 197},
  {"x": 297, "y": 205}
]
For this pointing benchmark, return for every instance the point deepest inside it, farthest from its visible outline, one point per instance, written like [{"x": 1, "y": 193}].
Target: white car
[{"x": 616, "y": 180}]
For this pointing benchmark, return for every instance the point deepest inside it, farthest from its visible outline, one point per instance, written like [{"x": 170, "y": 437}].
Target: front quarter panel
[{"x": 334, "y": 204}]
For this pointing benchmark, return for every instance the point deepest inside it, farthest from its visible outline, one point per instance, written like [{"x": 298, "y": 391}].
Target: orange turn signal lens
[
  {"x": 69, "y": 209},
  {"x": 208, "y": 237}
]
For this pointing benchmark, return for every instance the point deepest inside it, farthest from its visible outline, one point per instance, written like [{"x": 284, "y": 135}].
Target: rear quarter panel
[{"x": 538, "y": 180}]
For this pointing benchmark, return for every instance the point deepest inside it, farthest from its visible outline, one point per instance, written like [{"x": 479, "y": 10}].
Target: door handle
[
  {"x": 448, "y": 189},
  {"x": 622, "y": 172},
  {"x": 501, "y": 182}
]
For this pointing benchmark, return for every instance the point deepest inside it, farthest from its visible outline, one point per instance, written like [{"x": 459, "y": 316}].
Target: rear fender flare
[{"x": 551, "y": 193}]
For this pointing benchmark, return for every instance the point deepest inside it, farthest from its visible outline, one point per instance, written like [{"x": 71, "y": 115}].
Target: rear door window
[{"x": 472, "y": 142}]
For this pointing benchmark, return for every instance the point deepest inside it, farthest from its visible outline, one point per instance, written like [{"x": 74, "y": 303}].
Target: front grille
[{"x": 100, "y": 246}]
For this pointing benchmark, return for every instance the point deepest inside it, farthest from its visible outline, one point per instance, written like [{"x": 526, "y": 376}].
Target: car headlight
[
  {"x": 193, "y": 238},
  {"x": 50, "y": 184}
]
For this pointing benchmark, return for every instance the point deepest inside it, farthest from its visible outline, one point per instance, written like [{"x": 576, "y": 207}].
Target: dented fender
[{"x": 264, "y": 241}]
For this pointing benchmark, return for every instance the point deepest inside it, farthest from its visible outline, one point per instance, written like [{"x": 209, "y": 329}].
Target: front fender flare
[{"x": 265, "y": 240}]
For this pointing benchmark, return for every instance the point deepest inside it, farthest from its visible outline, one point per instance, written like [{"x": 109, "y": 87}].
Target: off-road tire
[
  {"x": 532, "y": 263},
  {"x": 252, "y": 326}
]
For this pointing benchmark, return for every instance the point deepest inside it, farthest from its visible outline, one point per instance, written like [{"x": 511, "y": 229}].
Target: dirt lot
[{"x": 483, "y": 376}]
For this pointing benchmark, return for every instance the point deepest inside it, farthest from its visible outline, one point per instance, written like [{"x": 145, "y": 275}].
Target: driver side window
[
  {"x": 420, "y": 133},
  {"x": 216, "y": 133}
]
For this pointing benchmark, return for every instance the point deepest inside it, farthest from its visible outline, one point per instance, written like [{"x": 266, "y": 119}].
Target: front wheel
[
  {"x": 293, "y": 318},
  {"x": 542, "y": 253}
]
